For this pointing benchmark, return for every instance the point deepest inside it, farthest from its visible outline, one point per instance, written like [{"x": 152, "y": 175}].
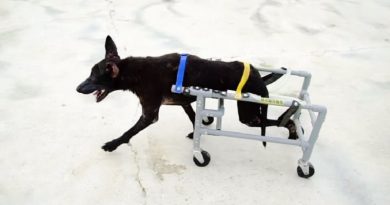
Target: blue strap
[{"x": 180, "y": 73}]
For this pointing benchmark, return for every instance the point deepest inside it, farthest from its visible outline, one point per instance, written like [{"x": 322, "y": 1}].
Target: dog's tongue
[
  {"x": 97, "y": 93},
  {"x": 100, "y": 94}
]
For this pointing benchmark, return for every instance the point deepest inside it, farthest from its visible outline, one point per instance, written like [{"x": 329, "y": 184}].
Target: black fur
[{"x": 151, "y": 78}]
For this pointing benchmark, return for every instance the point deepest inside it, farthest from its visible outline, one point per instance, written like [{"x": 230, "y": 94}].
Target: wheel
[
  {"x": 206, "y": 159},
  {"x": 302, "y": 174},
  {"x": 207, "y": 121}
]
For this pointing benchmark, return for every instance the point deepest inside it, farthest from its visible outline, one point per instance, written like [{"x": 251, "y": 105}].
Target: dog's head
[{"x": 103, "y": 74}]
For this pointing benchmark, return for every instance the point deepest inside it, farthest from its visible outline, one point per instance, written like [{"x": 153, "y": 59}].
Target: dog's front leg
[{"x": 149, "y": 116}]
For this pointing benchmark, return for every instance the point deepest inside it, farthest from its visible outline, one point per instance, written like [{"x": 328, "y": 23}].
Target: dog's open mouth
[{"x": 100, "y": 94}]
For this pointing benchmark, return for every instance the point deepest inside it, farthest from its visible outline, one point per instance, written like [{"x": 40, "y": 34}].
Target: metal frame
[{"x": 317, "y": 114}]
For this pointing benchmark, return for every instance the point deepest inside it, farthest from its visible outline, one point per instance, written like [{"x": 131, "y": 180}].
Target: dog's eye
[{"x": 101, "y": 68}]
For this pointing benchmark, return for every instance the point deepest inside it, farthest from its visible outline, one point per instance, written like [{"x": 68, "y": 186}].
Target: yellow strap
[{"x": 244, "y": 78}]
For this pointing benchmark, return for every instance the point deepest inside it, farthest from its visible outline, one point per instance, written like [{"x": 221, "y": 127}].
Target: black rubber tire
[
  {"x": 210, "y": 121},
  {"x": 206, "y": 158},
  {"x": 301, "y": 174}
]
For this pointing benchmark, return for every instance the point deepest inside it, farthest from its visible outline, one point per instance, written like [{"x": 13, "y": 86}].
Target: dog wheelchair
[{"x": 295, "y": 106}]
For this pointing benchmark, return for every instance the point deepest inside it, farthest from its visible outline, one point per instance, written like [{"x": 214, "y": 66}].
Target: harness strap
[
  {"x": 180, "y": 73},
  {"x": 244, "y": 78}
]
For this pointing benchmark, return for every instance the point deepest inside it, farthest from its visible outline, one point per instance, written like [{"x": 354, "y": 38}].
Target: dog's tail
[{"x": 270, "y": 78}]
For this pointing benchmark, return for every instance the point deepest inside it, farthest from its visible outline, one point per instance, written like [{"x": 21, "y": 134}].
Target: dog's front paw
[{"x": 110, "y": 146}]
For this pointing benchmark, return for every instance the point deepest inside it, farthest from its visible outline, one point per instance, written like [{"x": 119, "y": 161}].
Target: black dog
[{"x": 151, "y": 78}]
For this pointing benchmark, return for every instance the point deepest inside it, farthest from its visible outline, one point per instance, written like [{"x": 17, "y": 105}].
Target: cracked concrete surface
[
  {"x": 50, "y": 136},
  {"x": 138, "y": 178}
]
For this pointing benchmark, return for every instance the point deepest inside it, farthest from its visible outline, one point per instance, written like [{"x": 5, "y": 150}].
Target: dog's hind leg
[
  {"x": 248, "y": 115},
  {"x": 254, "y": 114},
  {"x": 149, "y": 116}
]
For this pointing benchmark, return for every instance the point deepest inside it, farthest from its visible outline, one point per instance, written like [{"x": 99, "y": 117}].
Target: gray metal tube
[
  {"x": 230, "y": 95},
  {"x": 306, "y": 75},
  {"x": 314, "y": 135},
  {"x": 306, "y": 98},
  {"x": 252, "y": 137},
  {"x": 299, "y": 73},
  {"x": 200, "y": 104},
  {"x": 305, "y": 85},
  {"x": 219, "y": 119}
]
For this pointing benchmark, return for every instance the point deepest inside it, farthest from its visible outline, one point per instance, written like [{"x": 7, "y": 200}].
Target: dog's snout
[
  {"x": 79, "y": 88},
  {"x": 86, "y": 87}
]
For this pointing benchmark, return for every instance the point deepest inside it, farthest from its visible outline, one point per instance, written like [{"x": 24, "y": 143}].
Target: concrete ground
[{"x": 50, "y": 136}]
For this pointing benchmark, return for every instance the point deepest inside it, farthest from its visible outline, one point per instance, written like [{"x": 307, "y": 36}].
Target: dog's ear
[
  {"x": 111, "y": 50},
  {"x": 110, "y": 45},
  {"x": 113, "y": 69}
]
